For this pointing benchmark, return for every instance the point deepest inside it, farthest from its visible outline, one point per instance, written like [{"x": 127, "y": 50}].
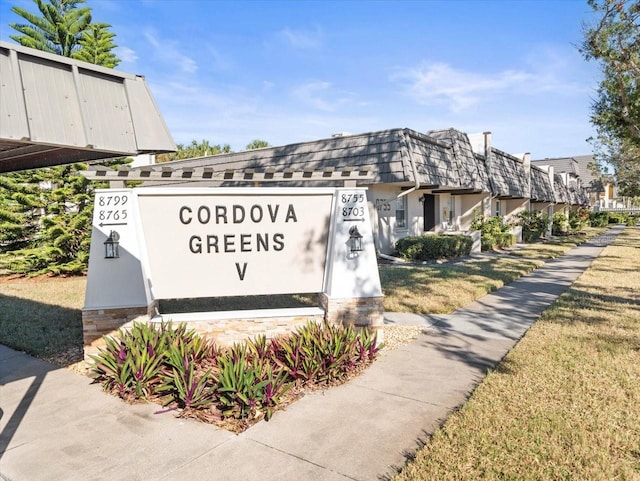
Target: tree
[
  {"x": 625, "y": 158},
  {"x": 257, "y": 144},
  {"x": 193, "y": 150},
  {"x": 96, "y": 46},
  {"x": 58, "y": 29},
  {"x": 50, "y": 223},
  {"x": 20, "y": 205},
  {"x": 614, "y": 42}
]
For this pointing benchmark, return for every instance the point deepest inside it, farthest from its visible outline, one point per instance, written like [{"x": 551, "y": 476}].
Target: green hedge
[
  {"x": 431, "y": 247},
  {"x": 599, "y": 219},
  {"x": 499, "y": 240},
  {"x": 560, "y": 224},
  {"x": 534, "y": 225},
  {"x": 602, "y": 219},
  {"x": 618, "y": 217}
]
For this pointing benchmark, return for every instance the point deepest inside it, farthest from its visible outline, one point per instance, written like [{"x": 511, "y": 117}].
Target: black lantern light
[
  {"x": 111, "y": 246},
  {"x": 355, "y": 239}
]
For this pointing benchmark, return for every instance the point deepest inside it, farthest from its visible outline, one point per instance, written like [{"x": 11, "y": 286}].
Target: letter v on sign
[{"x": 241, "y": 272}]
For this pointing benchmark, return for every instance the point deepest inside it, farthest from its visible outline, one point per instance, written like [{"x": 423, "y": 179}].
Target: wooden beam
[{"x": 164, "y": 174}]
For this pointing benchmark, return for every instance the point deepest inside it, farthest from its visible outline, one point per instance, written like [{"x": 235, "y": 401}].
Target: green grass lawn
[
  {"x": 43, "y": 316},
  {"x": 565, "y": 403},
  {"x": 444, "y": 288}
]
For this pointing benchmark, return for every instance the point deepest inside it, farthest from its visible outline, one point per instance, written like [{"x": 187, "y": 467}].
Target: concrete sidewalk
[{"x": 56, "y": 426}]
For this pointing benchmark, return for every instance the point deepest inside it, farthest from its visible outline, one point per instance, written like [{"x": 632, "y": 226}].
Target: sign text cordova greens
[{"x": 217, "y": 215}]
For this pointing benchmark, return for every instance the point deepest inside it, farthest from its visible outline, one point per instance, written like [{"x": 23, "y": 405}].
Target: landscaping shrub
[
  {"x": 130, "y": 364},
  {"x": 560, "y": 224},
  {"x": 492, "y": 231},
  {"x": 241, "y": 384},
  {"x": 504, "y": 239},
  {"x": 578, "y": 219},
  {"x": 534, "y": 225},
  {"x": 431, "y": 247},
  {"x": 599, "y": 219},
  {"x": 618, "y": 218}
]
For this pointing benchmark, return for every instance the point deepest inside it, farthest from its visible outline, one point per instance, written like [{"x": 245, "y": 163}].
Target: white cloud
[
  {"x": 126, "y": 54},
  {"x": 169, "y": 52},
  {"x": 225, "y": 114},
  {"x": 309, "y": 93},
  {"x": 217, "y": 60},
  {"x": 302, "y": 39},
  {"x": 442, "y": 84},
  {"x": 321, "y": 95}
]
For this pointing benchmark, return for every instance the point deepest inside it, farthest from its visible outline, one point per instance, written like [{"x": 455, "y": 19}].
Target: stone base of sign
[
  {"x": 363, "y": 312},
  {"x": 97, "y": 323},
  {"x": 228, "y": 327}
]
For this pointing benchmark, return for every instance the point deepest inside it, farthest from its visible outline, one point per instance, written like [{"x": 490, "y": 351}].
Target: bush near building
[
  {"x": 560, "y": 224},
  {"x": 578, "y": 220},
  {"x": 599, "y": 219},
  {"x": 494, "y": 231},
  {"x": 534, "y": 225},
  {"x": 432, "y": 247}
]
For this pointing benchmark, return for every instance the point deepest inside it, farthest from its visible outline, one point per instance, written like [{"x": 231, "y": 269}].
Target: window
[
  {"x": 401, "y": 213},
  {"x": 498, "y": 208}
]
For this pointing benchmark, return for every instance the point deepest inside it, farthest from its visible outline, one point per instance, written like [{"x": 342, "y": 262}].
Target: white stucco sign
[{"x": 204, "y": 242}]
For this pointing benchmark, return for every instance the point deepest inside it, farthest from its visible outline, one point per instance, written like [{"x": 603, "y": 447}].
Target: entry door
[{"x": 429, "y": 214}]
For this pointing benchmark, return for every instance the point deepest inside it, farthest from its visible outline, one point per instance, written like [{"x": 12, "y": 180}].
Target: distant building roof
[
  {"x": 560, "y": 165},
  {"x": 590, "y": 181},
  {"x": 56, "y": 110},
  {"x": 578, "y": 166}
]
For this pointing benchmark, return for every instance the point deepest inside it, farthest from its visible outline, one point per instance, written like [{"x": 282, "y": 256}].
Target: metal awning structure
[{"x": 56, "y": 110}]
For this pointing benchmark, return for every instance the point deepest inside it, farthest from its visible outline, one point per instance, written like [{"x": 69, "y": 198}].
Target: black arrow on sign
[{"x": 117, "y": 223}]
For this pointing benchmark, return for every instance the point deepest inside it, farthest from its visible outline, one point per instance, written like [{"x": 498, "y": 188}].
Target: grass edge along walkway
[
  {"x": 565, "y": 402},
  {"x": 445, "y": 288}
]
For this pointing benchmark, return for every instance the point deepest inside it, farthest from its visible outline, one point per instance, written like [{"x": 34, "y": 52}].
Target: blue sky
[{"x": 292, "y": 71}]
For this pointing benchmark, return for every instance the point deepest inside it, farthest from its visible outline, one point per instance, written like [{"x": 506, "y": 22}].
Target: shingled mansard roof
[
  {"x": 56, "y": 110},
  {"x": 560, "y": 189},
  {"x": 471, "y": 169},
  {"x": 391, "y": 156},
  {"x": 576, "y": 193},
  {"x": 508, "y": 175},
  {"x": 561, "y": 165},
  {"x": 590, "y": 181},
  {"x": 541, "y": 189}
]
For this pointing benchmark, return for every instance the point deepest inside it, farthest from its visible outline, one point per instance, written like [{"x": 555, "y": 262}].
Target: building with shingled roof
[{"x": 433, "y": 182}]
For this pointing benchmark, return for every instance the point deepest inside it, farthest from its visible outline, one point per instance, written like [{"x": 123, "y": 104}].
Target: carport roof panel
[{"x": 56, "y": 110}]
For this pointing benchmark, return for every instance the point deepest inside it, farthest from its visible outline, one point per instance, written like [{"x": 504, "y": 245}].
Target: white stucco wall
[
  {"x": 469, "y": 204},
  {"x": 382, "y": 207}
]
